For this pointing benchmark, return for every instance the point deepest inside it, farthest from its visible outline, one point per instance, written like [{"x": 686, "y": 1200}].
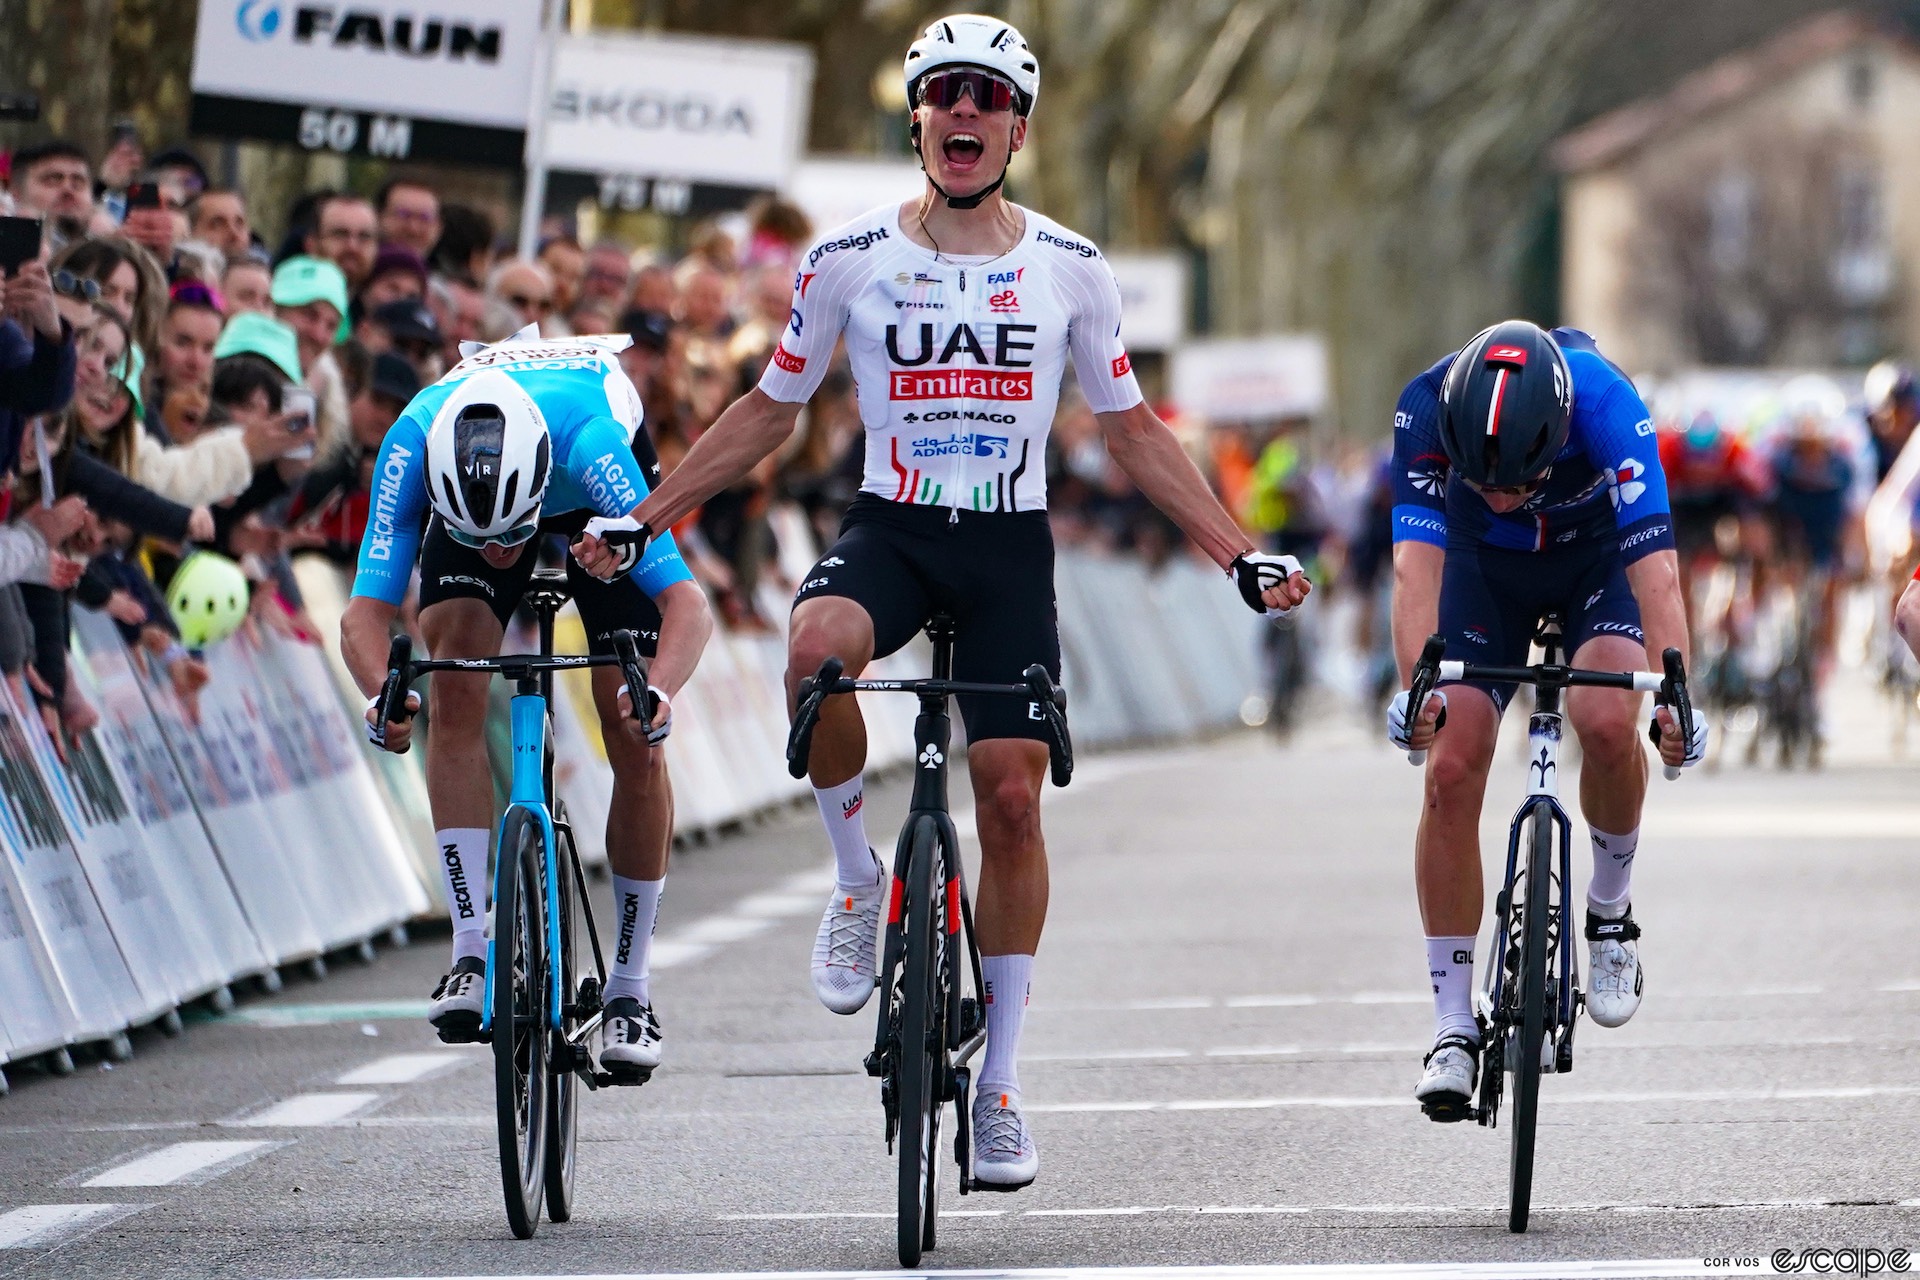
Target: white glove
[
  {"x": 663, "y": 723},
  {"x": 1400, "y": 724},
  {"x": 626, "y": 537},
  {"x": 1696, "y": 749},
  {"x": 1256, "y": 571}
]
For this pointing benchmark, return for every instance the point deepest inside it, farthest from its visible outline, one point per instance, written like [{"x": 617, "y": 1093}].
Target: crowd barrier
[{"x": 164, "y": 859}]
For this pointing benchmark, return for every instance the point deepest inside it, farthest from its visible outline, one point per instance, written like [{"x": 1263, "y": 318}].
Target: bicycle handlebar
[
  {"x": 1669, "y": 689},
  {"x": 1038, "y": 687},
  {"x": 401, "y": 669}
]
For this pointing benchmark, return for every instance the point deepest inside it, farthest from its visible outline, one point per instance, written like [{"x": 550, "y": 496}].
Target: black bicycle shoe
[{"x": 457, "y": 1001}]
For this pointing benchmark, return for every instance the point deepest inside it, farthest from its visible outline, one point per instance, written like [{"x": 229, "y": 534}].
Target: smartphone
[
  {"x": 297, "y": 407},
  {"x": 143, "y": 195},
  {"x": 19, "y": 242}
]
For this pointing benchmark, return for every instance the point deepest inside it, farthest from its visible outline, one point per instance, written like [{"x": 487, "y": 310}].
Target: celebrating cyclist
[
  {"x": 1528, "y": 482},
  {"x": 522, "y": 438},
  {"x": 960, "y": 310}
]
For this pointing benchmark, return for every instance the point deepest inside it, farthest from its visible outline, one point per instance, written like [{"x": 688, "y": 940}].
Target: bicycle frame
[{"x": 532, "y": 773}]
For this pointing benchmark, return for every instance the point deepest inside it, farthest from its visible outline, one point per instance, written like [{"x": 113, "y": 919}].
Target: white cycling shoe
[
  {"x": 1004, "y": 1157},
  {"x": 457, "y": 1001},
  {"x": 1445, "y": 1091},
  {"x": 1614, "y": 976},
  {"x": 843, "y": 950},
  {"x": 629, "y": 1040}
]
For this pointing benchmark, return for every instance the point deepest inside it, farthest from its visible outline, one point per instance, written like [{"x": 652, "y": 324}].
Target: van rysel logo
[{"x": 370, "y": 29}]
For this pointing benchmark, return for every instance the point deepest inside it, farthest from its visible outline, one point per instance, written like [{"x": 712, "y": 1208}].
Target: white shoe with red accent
[
  {"x": 844, "y": 949},
  {"x": 1004, "y": 1157}
]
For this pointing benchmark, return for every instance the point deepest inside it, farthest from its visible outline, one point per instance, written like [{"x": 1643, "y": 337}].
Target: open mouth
[{"x": 962, "y": 151}]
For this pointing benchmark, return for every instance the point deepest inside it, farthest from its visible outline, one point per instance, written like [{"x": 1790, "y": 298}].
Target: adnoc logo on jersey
[
  {"x": 972, "y": 446},
  {"x": 957, "y": 384}
]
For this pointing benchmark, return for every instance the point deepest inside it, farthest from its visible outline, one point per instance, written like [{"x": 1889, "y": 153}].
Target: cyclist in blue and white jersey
[
  {"x": 1528, "y": 480},
  {"x": 960, "y": 311},
  {"x": 521, "y": 438}
]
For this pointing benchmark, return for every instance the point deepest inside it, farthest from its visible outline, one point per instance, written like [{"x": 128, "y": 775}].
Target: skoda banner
[
  {"x": 381, "y": 78},
  {"x": 680, "y": 124}
]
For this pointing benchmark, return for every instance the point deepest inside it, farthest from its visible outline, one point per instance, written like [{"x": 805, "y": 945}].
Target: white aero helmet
[
  {"x": 974, "y": 40},
  {"x": 488, "y": 459}
]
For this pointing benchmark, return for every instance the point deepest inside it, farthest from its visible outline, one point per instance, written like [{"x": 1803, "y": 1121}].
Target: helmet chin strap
[{"x": 973, "y": 201}]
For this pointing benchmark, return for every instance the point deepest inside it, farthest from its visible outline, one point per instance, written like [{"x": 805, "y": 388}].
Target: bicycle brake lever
[
  {"x": 633, "y": 670},
  {"x": 1679, "y": 700},
  {"x": 806, "y": 712},
  {"x": 1426, "y": 674}
]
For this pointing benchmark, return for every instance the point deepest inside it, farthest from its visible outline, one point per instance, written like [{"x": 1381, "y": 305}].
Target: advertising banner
[
  {"x": 1153, "y": 299},
  {"x": 369, "y": 77},
  {"x": 1251, "y": 379}
]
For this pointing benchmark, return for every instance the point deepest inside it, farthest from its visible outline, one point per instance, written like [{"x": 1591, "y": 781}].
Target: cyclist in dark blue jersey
[
  {"x": 1528, "y": 480},
  {"x": 521, "y": 438}
]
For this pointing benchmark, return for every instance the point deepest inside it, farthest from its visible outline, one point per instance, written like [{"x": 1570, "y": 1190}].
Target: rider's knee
[
  {"x": 459, "y": 703},
  {"x": 1608, "y": 729},
  {"x": 816, "y": 637},
  {"x": 632, "y": 761},
  {"x": 1462, "y": 757},
  {"x": 1009, "y": 802}
]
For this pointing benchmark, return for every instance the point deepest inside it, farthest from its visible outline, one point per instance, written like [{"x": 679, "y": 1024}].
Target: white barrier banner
[{"x": 36, "y": 1014}]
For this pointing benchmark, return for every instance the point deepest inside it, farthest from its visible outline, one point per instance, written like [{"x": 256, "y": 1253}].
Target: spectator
[
  {"x": 155, "y": 228},
  {"x": 460, "y": 311},
  {"x": 179, "y": 168},
  {"x": 778, "y": 232},
  {"x": 123, "y": 162},
  {"x": 219, "y": 217},
  {"x": 519, "y": 294},
  {"x": 247, "y": 285},
  {"x": 405, "y": 328},
  {"x": 52, "y": 180},
  {"x": 37, "y": 357},
  {"x": 653, "y": 290},
  {"x": 592, "y": 317},
  {"x": 645, "y": 359},
  {"x": 566, "y": 265},
  {"x": 769, "y": 297},
  {"x": 129, "y": 279},
  {"x": 609, "y": 268},
  {"x": 330, "y": 508},
  {"x": 464, "y": 251},
  {"x": 409, "y": 213},
  {"x": 183, "y": 361},
  {"x": 704, "y": 305},
  {"x": 398, "y": 273},
  {"x": 345, "y": 232},
  {"x": 310, "y": 296}
]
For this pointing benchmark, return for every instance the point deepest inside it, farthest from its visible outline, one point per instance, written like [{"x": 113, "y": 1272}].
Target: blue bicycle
[{"x": 546, "y": 1015}]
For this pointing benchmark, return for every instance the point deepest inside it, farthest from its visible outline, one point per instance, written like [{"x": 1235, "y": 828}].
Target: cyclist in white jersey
[{"x": 959, "y": 310}]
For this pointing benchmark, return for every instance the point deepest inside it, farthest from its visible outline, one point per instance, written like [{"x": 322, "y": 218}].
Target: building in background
[{"x": 1765, "y": 210}]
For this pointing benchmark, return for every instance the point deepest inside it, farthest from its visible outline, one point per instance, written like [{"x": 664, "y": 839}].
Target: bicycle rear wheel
[
  {"x": 1530, "y": 1030},
  {"x": 563, "y": 1087},
  {"x": 520, "y": 1020},
  {"x": 919, "y": 1031}
]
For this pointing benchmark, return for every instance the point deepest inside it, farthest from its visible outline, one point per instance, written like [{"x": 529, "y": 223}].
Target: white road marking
[
  {"x": 1610, "y": 1269},
  {"x": 1824, "y": 822},
  {"x": 41, "y": 1226},
  {"x": 753, "y": 914},
  {"x": 1108, "y": 1055},
  {"x": 1396, "y": 1100},
  {"x": 182, "y": 1162},
  {"x": 1302, "y": 999},
  {"x": 305, "y": 1110},
  {"x": 401, "y": 1068}
]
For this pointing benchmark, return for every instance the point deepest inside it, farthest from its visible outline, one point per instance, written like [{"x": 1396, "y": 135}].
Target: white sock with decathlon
[
  {"x": 1009, "y": 981},
  {"x": 1612, "y": 872},
  {"x": 636, "y": 906},
  {"x": 463, "y": 871},
  {"x": 854, "y": 868},
  {"x": 1450, "y": 965}
]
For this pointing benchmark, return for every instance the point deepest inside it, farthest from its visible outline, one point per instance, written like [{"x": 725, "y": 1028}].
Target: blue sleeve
[
  {"x": 1419, "y": 466},
  {"x": 1621, "y": 443},
  {"x": 601, "y": 462},
  {"x": 392, "y": 539}
]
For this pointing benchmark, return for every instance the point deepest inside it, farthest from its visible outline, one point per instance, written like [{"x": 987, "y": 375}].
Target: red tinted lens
[{"x": 943, "y": 90}]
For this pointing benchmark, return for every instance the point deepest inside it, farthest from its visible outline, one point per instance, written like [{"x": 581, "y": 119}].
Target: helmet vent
[{"x": 506, "y": 499}]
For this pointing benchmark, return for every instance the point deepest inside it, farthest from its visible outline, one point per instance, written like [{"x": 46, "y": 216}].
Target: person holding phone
[{"x": 37, "y": 355}]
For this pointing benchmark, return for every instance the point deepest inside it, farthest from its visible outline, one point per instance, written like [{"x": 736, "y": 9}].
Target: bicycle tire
[
  {"x": 1531, "y": 1028},
  {"x": 563, "y": 1087},
  {"x": 520, "y": 1022},
  {"x": 919, "y": 1024}
]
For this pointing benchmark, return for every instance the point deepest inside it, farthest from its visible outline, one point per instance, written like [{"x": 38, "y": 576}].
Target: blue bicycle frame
[{"x": 528, "y": 790}]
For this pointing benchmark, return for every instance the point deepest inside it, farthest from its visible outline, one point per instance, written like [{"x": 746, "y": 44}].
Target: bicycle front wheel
[
  {"x": 920, "y": 1009},
  {"x": 520, "y": 1019},
  {"x": 1530, "y": 1030},
  {"x": 563, "y": 1096}
]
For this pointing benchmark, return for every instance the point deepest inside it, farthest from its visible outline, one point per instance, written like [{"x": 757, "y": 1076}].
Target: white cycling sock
[
  {"x": 853, "y": 862},
  {"x": 1450, "y": 965},
  {"x": 463, "y": 870},
  {"x": 1612, "y": 871},
  {"x": 1009, "y": 982},
  {"x": 636, "y": 907}
]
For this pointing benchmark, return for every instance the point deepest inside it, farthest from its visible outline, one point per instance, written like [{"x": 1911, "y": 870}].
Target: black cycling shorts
[
  {"x": 450, "y": 571},
  {"x": 990, "y": 571},
  {"x": 1491, "y": 602}
]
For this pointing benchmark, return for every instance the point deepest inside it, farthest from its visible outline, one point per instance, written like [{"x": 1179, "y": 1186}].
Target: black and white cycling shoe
[
  {"x": 457, "y": 1001},
  {"x": 629, "y": 1041},
  {"x": 1614, "y": 976},
  {"x": 1445, "y": 1091}
]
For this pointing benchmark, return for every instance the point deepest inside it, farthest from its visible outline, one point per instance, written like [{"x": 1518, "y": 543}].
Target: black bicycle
[
  {"x": 929, "y": 1027},
  {"x": 1531, "y": 995},
  {"x": 547, "y": 1017}
]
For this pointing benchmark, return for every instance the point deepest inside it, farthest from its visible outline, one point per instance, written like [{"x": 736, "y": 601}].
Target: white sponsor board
[
  {"x": 474, "y": 65},
  {"x": 1153, "y": 299},
  {"x": 699, "y": 110},
  {"x": 1251, "y": 379}
]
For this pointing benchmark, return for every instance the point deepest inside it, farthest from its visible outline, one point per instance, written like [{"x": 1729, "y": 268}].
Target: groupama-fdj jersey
[
  {"x": 1606, "y": 482},
  {"x": 957, "y": 360},
  {"x": 593, "y": 417}
]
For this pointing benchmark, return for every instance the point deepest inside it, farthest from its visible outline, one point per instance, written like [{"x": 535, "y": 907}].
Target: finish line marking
[
  {"x": 1302, "y": 1210},
  {"x": 41, "y": 1226},
  {"x": 1339, "y": 1103},
  {"x": 1598, "y": 1270}
]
